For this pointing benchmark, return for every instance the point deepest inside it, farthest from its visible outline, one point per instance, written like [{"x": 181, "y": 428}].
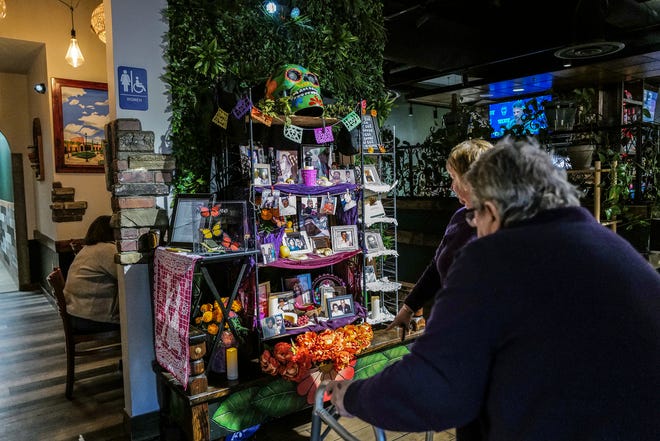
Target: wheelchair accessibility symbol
[{"x": 133, "y": 92}]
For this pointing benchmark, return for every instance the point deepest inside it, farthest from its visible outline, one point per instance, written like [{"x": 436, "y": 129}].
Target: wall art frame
[{"x": 80, "y": 113}]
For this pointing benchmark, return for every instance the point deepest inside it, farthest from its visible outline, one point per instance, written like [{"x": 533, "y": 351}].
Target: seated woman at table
[{"x": 91, "y": 284}]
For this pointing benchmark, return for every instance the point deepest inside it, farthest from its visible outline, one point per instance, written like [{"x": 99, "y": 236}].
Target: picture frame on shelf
[
  {"x": 340, "y": 306},
  {"x": 301, "y": 285},
  {"x": 315, "y": 225},
  {"x": 272, "y": 326},
  {"x": 287, "y": 165},
  {"x": 261, "y": 175},
  {"x": 370, "y": 175},
  {"x": 370, "y": 274},
  {"x": 268, "y": 253},
  {"x": 320, "y": 156},
  {"x": 80, "y": 114},
  {"x": 263, "y": 292},
  {"x": 281, "y": 302},
  {"x": 184, "y": 222},
  {"x": 270, "y": 198},
  {"x": 373, "y": 210},
  {"x": 373, "y": 241},
  {"x": 348, "y": 200},
  {"x": 298, "y": 242},
  {"x": 344, "y": 237},
  {"x": 309, "y": 206}
]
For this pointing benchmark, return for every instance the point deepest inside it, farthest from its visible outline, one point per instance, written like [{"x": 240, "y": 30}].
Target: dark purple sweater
[
  {"x": 550, "y": 329},
  {"x": 457, "y": 234}
]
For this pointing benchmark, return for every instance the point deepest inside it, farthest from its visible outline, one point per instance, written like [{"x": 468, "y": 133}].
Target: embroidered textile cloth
[{"x": 173, "y": 277}]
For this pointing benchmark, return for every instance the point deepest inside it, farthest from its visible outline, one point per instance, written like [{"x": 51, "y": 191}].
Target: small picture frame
[
  {"x": 261, "y": 175},
  {"x": 268, "y": 253},
  {"x": 281, "y": 302},
  {"x": 348, "y": 200},
  {"x": 272, "y": 326},
  {"x": 298, "y": 243},
  {"x": 287, "y": 164},
  {"x": 340, "y": 306},
  {"x": 373, "y": 210},
  {"x": 370, "y": 175},
  {"x": 263, "y": 292},
  {"x": 370, "y": 274},
  {"x": 287, "y": 205},
  {"x": 373, "y": 241},
  {"x": 328, "y": 204},
  {"x": 301, "y": 285},
  {"x": 309, "y": 206},
  {"x": 344, "y": 237},
  {"x": 320, "y": 156}
]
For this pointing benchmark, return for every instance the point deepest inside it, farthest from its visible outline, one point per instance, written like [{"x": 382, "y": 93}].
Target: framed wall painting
[{"x": 80, "y": 113}]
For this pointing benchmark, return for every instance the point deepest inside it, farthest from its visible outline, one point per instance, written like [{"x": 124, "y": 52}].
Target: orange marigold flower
[
  {"x": 212, "y": 329},
  {"x": 236, "y": 306},
  {"x": 198, "y": 320},
  {"x": 217, "y": 315},
  {"x": 206, "y": 307},
  {"x": 207, "y": 316}
]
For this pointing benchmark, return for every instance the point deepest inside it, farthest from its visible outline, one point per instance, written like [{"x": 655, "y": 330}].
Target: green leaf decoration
[
  {"x": 237, "y": 413},
  {"x": 371, "y": 364},
  {"x": 279, "y": 398}
]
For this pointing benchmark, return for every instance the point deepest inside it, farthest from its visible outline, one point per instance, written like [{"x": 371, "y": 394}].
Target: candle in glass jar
[{"x": 232, "y": 364}]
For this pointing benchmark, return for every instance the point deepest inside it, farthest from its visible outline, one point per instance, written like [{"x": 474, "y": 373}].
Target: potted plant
[{"x": 585, "y": 135}]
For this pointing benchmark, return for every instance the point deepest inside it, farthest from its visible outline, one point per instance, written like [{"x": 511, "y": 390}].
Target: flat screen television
[
  {"x": 650, "y": 101},
  {"x": 502, "y": 115}
]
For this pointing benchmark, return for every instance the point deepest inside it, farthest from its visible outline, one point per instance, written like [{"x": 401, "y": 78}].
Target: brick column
[{"x": 135, "y": 176}]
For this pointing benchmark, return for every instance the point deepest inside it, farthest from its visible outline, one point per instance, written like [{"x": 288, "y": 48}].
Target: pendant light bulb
[
  {"x": 74, "y": 55},
  {"x": 3, "y": 9}
]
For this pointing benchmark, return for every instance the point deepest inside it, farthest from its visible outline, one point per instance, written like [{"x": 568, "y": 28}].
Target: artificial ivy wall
[{"x": 217, "y": 50}]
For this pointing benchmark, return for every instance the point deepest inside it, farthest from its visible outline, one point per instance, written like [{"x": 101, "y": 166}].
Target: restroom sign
[{"x": 132, "y": 87}]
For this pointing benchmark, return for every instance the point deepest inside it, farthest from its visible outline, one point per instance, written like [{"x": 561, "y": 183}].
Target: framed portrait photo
[
  {"x": 80, "y": 113},
  {"x": 264, "y": 293},
  {"x": 261, "y": 174},
  {"x": 373, "y": 241},
  {"x": 320, "y": 156},
  {"x": 369, "y": 274},
  {"x": 298, "y": 243},
  {"x": 272, "y": 326},
  {"x": 340, "y": 306},
  {"x": 344, "y": 237},
  {"x": 268, "y": 253},
  {"x": 370, "y": 175},
  {"x": 328, "y": 205}
]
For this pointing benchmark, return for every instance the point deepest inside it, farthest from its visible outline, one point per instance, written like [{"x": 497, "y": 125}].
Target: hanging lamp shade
[
  {"x": 98, "y": 22},
  {"x": 74, "y": 55}
]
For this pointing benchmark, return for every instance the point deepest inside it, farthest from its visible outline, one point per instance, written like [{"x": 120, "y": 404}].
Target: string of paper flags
[{"x": 292, "y": 132}]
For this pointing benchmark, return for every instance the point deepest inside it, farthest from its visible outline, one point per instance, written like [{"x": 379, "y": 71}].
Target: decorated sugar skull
[{"x": 301, "y": 85}]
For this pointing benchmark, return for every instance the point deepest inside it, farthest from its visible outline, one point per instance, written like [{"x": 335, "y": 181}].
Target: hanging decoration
[
  {"x": 259, "y": 116},
  {"x": 97, "y": 22},
  {"x": 351, "y": 121},
  {"x": 294, "y": 133},
  {"x": 323, "y": 135},
  {"x": 297, "y": 82},
  {"x": 242, "y": 107},
  {"x": 220, "y": 118}
]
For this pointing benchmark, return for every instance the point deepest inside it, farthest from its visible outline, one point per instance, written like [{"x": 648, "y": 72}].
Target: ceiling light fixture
[
  {"x": 74, "y": 55},
  {"x": 40, "y": 88},
  {"x": 98, "y": 22},
  {"x": 589, "y": 50}
]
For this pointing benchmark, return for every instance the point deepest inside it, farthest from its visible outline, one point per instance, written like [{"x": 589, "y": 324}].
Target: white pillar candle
[
  {"x": 272, "y": 306},
  {"x": 232, "y": 364},
  {"x": 375, "y": 308}
]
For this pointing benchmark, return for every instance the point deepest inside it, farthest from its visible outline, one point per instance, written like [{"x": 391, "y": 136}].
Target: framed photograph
[
  {"x": 261, "y": 174},
  {"x": 315, "y": 226},
  {"x": 344, "y": 237},
  {"x": 369, "y": 274},
  {"x": 328, "y": 204},
  {"x": 184, "y": 222},
  {"x": 373, "y": 209},
  {"x": 340, "y": 306},
  {"x": 301, "y": 285},
  {"x": 348, "y": 200},
  {"x": 370, "y": 175},
  {"x": 287, "y": 205},
  {"x": 268, "y": 253},
  {"x": 287, "y": 164},
  {"x": 373, "y": 241},
  {"x": 80, "y": 113},
  {"x": 263, "y": 292},
  {"x": 320, "y": 156},
  {"x": 321, "y": 242},
  {"x": 281, "y": 302},
  {"x": 297, "y": 242},
  {"x": 309, "y": 206},
  {"x": 272, "y": 326}
]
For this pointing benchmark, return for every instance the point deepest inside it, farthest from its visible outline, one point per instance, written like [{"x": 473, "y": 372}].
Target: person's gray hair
[{"x": 521, "y": 180}]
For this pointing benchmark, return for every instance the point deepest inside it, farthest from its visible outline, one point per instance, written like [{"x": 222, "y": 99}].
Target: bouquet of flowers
[
  {"x": 211, "y": 317},
  {"x": 334, "y": 349}
]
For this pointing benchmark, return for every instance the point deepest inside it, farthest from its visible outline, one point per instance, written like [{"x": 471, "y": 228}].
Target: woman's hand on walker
[{"x": 336, "y": 390}]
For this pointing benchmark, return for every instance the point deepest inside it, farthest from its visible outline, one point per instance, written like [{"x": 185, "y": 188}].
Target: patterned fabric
[{"x": 173, "y": 277}]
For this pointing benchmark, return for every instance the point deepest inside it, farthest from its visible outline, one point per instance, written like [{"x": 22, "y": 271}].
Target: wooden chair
[{"x": 78, "y": 344}]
